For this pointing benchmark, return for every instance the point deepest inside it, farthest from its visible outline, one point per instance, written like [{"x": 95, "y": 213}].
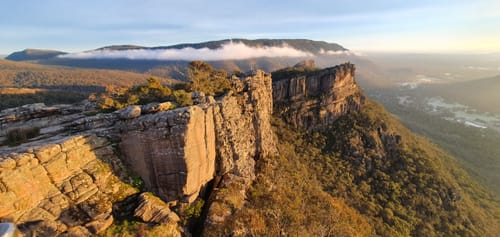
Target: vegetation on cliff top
[
  {"x": 203, "y": 78},
  {"x": 404, "y": 185},
  {"x": 290, "y": 72},
  {"x": 366, "y": 175},
  {"x": 24, "y": 83},
  {"x": 286, "y": 199},
  {"x": 118, "y": 98}
]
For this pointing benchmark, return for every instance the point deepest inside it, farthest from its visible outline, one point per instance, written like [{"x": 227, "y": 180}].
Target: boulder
[
  {"x": 130, "y": 112},
  {"x": 156, "y": 107},
  {"x": 100, "y": 225},
  {"x": 153, "y": 209}
]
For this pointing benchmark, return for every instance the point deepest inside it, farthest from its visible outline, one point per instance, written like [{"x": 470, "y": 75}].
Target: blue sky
[{"x": 379, "y": 25}]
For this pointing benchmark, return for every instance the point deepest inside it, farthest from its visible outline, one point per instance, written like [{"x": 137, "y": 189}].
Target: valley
[
  {"x": 250, "y": 118},
  {"x": 440, "y": 107},
  {"x": 222, "y": 149}
]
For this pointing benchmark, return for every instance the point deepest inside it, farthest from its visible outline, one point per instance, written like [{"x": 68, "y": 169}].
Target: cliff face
[
  {"x": 175, "y": 152},
  {"x": 316, "y": 100},
  {"x": 243, "y": 134},
  {"x": 77, "y": 162}
]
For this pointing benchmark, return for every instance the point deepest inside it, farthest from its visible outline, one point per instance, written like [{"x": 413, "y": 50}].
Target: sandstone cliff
[
  {"x": 70, "y": 176},
  {"x": 56, "y": 187},
  {"x": 315, "y": 100},
  {"x": 67, "y": 179}
]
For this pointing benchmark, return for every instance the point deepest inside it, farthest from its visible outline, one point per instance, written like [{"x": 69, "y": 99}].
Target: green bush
[
  {"x": 118, "y": 98},
  {"x": 192, "y": 211},
  {"x": 137, "y": 182},
  {"x": 203, "y": 77},
  {"x": 17, "y": 136},
  {"x": 182, "y": 98}
]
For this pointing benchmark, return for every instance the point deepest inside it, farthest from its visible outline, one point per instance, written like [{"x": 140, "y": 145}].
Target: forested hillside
[{"x": 397, "y": 182}]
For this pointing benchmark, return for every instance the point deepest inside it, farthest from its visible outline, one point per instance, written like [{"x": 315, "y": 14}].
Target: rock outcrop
[
  {"x": 67, "y": 179},
  {"x": 73, "y": 181},
  {"x": 243, "y": 134},
  {"x": 173, "y": 151},
  {"x": 315, "y": 100},
  {"x": 51, "y": 120},
  {"x": 154, "y": 210}
]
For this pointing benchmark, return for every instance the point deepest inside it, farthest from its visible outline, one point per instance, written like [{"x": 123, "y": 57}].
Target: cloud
[
  {"x": 339, "y": 52},
  {"x": 229, "y": 50},
  {"x": 478, "y": 68}
]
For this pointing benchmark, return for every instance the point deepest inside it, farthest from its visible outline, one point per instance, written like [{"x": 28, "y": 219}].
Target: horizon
[{"x": 442, "y": 26}]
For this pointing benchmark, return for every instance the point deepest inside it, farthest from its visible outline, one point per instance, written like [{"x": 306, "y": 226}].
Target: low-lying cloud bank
[
  {"x": 340, "y": 52},
  {"x": 228, "y": 51}
]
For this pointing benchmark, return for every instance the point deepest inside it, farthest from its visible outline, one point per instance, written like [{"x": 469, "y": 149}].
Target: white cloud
[
  {"x": 338, "y": 52},
  {"x": 478, "y": 68},
  {"x": 229, "y": 50}
]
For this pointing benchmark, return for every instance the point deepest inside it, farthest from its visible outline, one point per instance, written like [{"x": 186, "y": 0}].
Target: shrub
[
  {"x": 118, "y": 98},
  {"x": 203, "y": 77},
  {"x": 137, "y": 182},
  {"x": 17, "y": 136},
  {"x": 182, "y": 98},
  {"x": 192, "y": 211}
]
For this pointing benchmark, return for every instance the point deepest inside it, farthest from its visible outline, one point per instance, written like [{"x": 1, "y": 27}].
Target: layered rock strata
[
  {"x": 68, "y": 178},
  {"x": 72, "y": 182},
  {"x": 65, "y": 179},
  {"x": 315, "y": 100}
]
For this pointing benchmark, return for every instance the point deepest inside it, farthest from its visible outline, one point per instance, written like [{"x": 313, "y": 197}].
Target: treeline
[
  {"x": 24, "y": 75},
  {"x": 290, "y": 72}
]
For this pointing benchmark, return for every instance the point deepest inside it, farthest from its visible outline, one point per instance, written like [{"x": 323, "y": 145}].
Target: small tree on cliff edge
[{"x": 205, "y": 78}]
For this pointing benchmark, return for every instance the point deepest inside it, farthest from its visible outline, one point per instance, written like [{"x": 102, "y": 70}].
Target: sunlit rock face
[
  {"x": 317, "y": 99},
  {"x": 53, "y": 187},
  {"x": 68, "y": 177}
]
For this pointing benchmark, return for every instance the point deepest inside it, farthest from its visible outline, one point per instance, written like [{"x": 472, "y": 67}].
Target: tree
[
  {"x": 199, "y": 74},
  {"x": 205, "y": 78}
]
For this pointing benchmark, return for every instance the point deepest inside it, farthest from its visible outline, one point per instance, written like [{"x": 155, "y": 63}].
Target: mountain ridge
[
  {"x": 33, "y": 54},
  {"x": 300, "y": 44},
  {"x": 370, "y": 175},
  {"x": 325, "y": 54}
]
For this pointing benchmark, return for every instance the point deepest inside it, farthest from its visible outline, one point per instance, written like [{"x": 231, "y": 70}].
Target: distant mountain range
[
  {"x": 33, "y": 54},
  {"x": 300, "y": 44},
  {"x": 171, "y": 61},
  {"x": 309, "y": 46}
]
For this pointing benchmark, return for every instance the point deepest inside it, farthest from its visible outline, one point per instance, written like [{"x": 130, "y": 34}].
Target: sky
[{"x": 377, "y": 25}]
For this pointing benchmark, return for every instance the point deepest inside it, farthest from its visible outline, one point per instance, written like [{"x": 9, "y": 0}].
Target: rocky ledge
[
  {"x": 67, "y": 179},
  {"x": 316, "y": 99}
]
